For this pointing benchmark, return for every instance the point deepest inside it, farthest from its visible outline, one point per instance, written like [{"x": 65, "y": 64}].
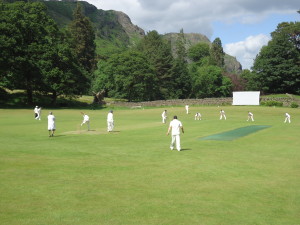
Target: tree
[
  {"x": 83, "y": 39},
  {"x": 62, "y": 73},
  {"x": 127, "y": 75},
  {"x": 180, "y": 69},
  {"x": 277, "y": 66},
  {"x": 251, "y": 81},
  {"x": 158, "y": 52},
  {"x": 26, "y": 31},
  {"x": 198, "y": 51},
  {"x": 208, "y": 82},
  {"x": 216, "y": 53},
  {"x": 238, "y": 83}
]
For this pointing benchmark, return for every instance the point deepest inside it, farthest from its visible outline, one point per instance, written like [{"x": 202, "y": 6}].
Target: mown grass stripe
[{"x": 236, "y": 133}]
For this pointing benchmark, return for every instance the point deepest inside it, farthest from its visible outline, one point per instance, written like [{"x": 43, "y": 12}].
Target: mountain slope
[
  {"x": 231, "y": 64},
  {"x": 115, "y": 31}
]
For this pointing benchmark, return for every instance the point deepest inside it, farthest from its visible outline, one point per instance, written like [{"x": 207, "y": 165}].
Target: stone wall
[
  {"x": 175, "y": 102},
  {"x": 287, "y": 101},
  {"x": 205, "y": 101}
]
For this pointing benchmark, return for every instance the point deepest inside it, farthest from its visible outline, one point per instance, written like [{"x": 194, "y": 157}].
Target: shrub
[
  {"x": 294, "y": 105},
  {"x": 272, "y": 103}
]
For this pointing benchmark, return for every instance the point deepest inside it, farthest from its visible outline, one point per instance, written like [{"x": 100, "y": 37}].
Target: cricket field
[{"x": 131, "y": 177}]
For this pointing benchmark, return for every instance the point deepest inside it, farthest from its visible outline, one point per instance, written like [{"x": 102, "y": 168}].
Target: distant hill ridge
[{"x": 114, "y": 28}]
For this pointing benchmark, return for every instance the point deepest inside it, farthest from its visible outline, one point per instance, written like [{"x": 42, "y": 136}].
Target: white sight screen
[{"x": 245, "y": 98}]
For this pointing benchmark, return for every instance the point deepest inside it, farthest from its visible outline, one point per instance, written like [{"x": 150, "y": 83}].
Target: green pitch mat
[{"x": 236, "y": 133}]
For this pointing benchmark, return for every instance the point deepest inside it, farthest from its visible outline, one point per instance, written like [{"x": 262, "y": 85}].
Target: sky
[{"x": 243, "y": 26}]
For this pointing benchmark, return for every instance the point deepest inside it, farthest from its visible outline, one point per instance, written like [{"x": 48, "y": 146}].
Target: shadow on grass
[
  {"x": 186, "y": 149},
  {"x": 18, "y": 100},
  {"x": 59, "y": 135}
]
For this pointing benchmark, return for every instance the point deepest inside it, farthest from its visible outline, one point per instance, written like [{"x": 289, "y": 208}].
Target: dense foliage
[
  {"x": 41, "y": 56},
  {"x": 171, "y": 77},
  {"x": 277, "y": 67},
  {"x": 83, "y": 39},
  {"x": 127, "y": 75},
  {"x": 35, "y": 55}
]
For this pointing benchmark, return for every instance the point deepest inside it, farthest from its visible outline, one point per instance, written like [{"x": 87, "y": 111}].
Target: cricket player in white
[
  {"x": 86, "y": 119},
  {"x": 222, "y": 114},
  {"x": 187, "y": 109},
  {"x": 39, "y": 113},
  {"x": 175, "y": 126},
  {"x": 250, "y": 116},
  {"x": 164, "y": 116},
  {"x": 110, "y": 121},
  {"x": 51, "y": 124},
  {"x": 287, "y": 118},
  {"x": 198, "y": 116},
  {"x": 35, "y": 112}
]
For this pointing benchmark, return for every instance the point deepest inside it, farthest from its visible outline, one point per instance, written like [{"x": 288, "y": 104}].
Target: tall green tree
[
  {"x": 180, "y": 69},
  {"x": 26, "y": 31},
  {"x": 158, "y": 51},
  {"x": 216, "y": 53},
  {"x": 251, "y": 80},
  {"x": 83, "y": 39},
  {"x": 207, "y": 82},
  {"x": 127, "y": 75},
  {"x": 198, "y": 51},
  {"x": 277, "y": 66},
  {"x": 62, "y": 73}
]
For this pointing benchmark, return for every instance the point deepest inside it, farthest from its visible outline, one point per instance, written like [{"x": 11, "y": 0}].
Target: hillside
[
  {"x": 231, "y": 63},
  {"x": 115, "y": 31}
]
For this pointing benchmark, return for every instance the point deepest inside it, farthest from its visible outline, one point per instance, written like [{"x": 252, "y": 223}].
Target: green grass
[{"x": 132, "y": 177}]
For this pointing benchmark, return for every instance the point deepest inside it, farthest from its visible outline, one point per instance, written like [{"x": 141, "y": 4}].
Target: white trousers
[
  {"x": 287, "y": 119},
  {"x": 175, "y": 138},
  {"x": 110, "y": 126},
  {"x": 222, "y": 117},
  {"x": 250, "y": 118},
  {"x": 87, "y": 123}
]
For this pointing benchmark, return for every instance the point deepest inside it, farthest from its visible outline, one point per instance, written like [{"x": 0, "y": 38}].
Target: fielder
[
  {"x": 187, "y": 109},
  {"x": 250, "y": 116},
  {"x": 86, "y": 119},
  {"x": 39, "y": 113},
  {"x": 198, "y": 116},
  {"x": 175, "y": 126},
  {"x": 164, "y": 116},
  {"x": 110, "y": 121},
  {"x": 35, "y": 112},
  {"x": 51, "y": 124},
  {"x": 222, "y": 114},
  {"x": 287, "y": 118}
]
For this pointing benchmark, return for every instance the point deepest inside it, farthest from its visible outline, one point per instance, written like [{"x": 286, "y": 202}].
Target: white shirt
[
  {"x": 35, "y": 110},
  {"x": 51, "y": 122},
  {"x": 287, "y": 115},
  {"x": 110, "y": 117},
  {"x": 164, "y": 114},
  {"x": 86, "y": 118},
  {"x": 176, "y": 125}
]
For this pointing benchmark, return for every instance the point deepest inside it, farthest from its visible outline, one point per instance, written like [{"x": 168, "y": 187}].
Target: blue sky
[
  {"x": 237, "y": 31},
  {"x": 243, "y": 26}
]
